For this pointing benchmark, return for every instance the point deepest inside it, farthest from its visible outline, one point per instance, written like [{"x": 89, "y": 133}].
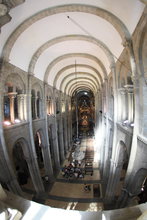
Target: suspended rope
[
  {"x": 88, "y": 33},
  {"x": 76, "y": 102}
]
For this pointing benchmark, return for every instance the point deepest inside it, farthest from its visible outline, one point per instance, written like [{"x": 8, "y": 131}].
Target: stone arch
[
  {"x": 111, "y": 18},
  {"x": 141, "y": 43},
  {"x": 75, "y": 84},
  {"x": 37, "y": 88},
  {"x": 25, "y": 147},
  {"x": 37, "y": 96},
  {"x": 80, "y": 85},
  {"x": 21, "y": 155},
  {"x": 45, "y": 46},
  {"x": 14, "y": 80},
  {"x": 111, "y": 96},
  {"x": 72, "y": 66},
  {"x": 79, "y": 75},
  {"x": 138, "y": 181},
  {"x": 49, "y": 101},
  {"x": 80, "y": 89},
  {"x": 65, "y": 56},
  {"x": 13, "y": 99},
  {"x": 39, "y": 145}
]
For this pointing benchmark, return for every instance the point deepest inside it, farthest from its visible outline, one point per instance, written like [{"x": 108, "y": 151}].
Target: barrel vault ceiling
[{"x": 69, "y": 44}]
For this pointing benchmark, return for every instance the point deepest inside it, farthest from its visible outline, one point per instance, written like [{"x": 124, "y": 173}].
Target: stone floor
[{"x": 70, "y": 194}]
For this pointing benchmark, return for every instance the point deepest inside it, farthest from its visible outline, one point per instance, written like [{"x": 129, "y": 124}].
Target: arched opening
[
  {"x": 38, "y": 147},
  {"x": 20, "y": 164},
  {"x": 14, "y": 100},
  {"x": 83, "y": 118}
]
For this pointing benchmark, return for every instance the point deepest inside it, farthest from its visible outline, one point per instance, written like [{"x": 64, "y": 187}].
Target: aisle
[{"x": 69, "y": 193}]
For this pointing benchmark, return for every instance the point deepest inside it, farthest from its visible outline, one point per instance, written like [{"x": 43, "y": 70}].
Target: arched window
[
  {"x": 36, "y": 101},
  {"x": 13, "y": 100}
]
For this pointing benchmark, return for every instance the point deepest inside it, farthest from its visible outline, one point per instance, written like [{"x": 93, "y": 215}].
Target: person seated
[{"x": 87, "y": 188}]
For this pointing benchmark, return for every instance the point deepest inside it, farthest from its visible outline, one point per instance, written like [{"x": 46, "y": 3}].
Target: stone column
[
  {"x": 68, "y": 126},
  {"x": 130, "y": 104},
  {"x": 61, "y": 142},
  {"x": 21, "y": 106},
  {"x": 48, "y": 106},
  {"x": 52, "y": 107},
  {"x": 47, "y": 161},
  {"x": 123, "y": 104},
  {"x": 55, "y": 144},
  {"x": 69, "y": 123},
  {"x": 46, "y": 144},
  {"x": 109, "y": 196},
  {"x": 113, "y": 182},
  {"x": 32, "y": 161},
  {"x": 12, "y": 97},
  {"x": 35, "y": 175},
  {"x": 104, "y": 149},
  {"x": 65, "y": 133}
]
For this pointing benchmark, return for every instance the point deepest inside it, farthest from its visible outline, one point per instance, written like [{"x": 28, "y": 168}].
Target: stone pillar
[
  {"x": 55, "y": 144},
  {"x": 35, "y": 107},
  {"x": 123, "y": 104},
  {"x": 65, "y": 133},
  {"x": 32, "y": 162},
  {"x": 21, "y": 106},
  {"x": 113, "y": 181},
  {"x": 60, "y": 132},
  {"x": 48, "y": 106},
  {"x": 130, "y": 104},
  {"x": 52, "y": 107},
  {"x": 12, "y": 97},
  {"x": 46, "y": 145},
  {"x": 109, "y": 190},
  {"x": 35, "y": 175},
  {"x": 104, "y": 149},
  {"x": 69, "y": 124},
  {"x": 47, "y": 161}
]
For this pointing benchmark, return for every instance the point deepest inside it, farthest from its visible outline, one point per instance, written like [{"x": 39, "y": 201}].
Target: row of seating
[{"x": 89, "y": 156}]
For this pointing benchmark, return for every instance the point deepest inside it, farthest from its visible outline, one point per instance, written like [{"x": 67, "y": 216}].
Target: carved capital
[
  {"x": 129, "y": 88},
  {"x": 122, "y": 91}
]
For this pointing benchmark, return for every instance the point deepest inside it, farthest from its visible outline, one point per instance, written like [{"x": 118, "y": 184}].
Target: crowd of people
[{"x": 73, "y": 170}]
